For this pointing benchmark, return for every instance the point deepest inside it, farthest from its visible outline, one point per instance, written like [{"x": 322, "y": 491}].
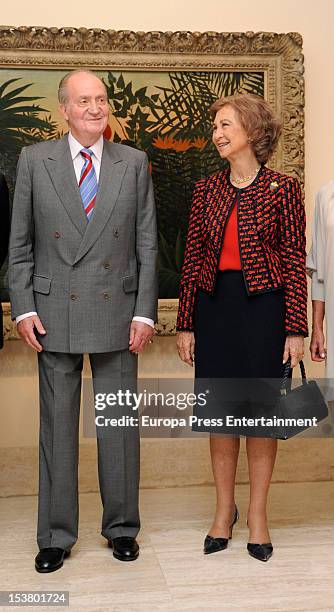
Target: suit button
[
  {"x": 106, "y": 295},
  {"x": 57, "y": 235},
  {"x": 73, "y": 296},
  {"x": 106, "y": 265},
  {"x": 116, "y": 234}
]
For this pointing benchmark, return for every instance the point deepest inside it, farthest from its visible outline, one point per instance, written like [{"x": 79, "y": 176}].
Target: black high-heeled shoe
[
  {"x": 262, "y": 552},
  {"x": 212, "y": 545}
]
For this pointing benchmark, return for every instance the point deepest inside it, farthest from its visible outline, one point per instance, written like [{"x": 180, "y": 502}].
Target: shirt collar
[{"x": 76, "y": 147}]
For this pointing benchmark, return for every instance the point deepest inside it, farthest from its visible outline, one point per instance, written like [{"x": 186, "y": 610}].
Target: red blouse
[{"x": 230, "y": 254}]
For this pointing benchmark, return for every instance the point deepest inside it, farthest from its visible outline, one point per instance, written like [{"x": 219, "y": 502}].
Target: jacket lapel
[
  {"x": 111, "y": 176},
  {"x": 60, "y": 168}
]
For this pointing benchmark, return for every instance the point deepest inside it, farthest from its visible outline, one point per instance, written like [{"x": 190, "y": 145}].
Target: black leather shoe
[
  {"x": 124, "y": 548},
  {"x": 212, "y": 545},
  {"x": 262, "y": 552},
  {"x": 50, "y": 559}
]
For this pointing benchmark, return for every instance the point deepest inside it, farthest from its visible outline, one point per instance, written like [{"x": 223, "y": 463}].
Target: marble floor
[{"x": 171, "y": 572}]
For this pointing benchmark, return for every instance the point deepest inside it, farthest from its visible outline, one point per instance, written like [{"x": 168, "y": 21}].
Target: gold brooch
[{"x": 273, "y": 186}]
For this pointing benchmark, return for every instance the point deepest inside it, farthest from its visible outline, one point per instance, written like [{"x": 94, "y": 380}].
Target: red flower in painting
[
  {"x": 164, "y": 143},
  {"x": 107, "y": 134},
  {"x": 200, "y": 143},
  {"x": 182, "y": 145}
]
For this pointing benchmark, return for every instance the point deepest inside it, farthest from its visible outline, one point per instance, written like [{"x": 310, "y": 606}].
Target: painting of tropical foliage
[{"x": 165, "y": 114}]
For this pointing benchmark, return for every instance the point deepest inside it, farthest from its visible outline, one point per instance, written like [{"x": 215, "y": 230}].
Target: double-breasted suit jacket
[
  {"x": 86, "y": 280},
  {"x": 271, "y": 225}
]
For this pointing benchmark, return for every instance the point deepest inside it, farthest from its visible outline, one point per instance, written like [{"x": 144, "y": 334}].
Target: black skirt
[{"x": 239, "y": 344}]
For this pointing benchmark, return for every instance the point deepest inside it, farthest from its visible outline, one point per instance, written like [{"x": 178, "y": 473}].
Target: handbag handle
[{"x": 286, "y": 375}]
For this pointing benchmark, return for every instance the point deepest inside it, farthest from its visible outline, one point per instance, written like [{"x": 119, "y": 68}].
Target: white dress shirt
[{"x": 78, "y": 162}]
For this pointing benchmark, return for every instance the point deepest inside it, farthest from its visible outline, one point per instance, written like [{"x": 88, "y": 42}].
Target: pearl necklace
[{"x": 244, "y": 179}]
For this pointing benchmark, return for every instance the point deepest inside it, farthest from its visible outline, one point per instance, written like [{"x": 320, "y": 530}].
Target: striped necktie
[{"x": 88, "y": 183}]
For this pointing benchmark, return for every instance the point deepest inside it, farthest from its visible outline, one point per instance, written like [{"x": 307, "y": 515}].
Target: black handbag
[{"x": 301, "y": 407}]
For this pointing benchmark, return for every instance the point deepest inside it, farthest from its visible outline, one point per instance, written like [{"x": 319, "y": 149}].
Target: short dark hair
[{"x": 258, "y": 120}]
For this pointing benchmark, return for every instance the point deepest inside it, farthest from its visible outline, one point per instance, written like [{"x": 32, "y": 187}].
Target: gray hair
[{"x": 62, "y": 88}]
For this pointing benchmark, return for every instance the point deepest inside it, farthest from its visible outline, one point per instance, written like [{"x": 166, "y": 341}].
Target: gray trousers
[{"x": 118, "y": 448}]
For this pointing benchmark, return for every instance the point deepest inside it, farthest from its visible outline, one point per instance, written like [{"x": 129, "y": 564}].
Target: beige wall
[{"x": 314, "y": 20}]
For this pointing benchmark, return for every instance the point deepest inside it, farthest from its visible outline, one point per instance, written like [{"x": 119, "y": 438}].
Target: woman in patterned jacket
[{"x": 243, "y": 297}]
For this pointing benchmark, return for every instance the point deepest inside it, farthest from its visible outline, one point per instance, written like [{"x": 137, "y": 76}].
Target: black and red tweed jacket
[{"x": 271, "y": 226}]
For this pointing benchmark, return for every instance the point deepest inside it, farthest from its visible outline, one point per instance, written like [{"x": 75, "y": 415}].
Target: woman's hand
[
  {"x": 317, "y": 346},
  {"x": 186, "y": 347},
  {"x": 294, "y": 348}
]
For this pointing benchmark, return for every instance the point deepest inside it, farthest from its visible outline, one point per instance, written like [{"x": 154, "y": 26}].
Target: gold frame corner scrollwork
[
  {"x": 9, "y": 326},
  {"x": 278, "y": 55}
]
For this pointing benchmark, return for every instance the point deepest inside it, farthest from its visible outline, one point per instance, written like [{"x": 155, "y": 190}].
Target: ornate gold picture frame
[{"x": 157, "y": 66}]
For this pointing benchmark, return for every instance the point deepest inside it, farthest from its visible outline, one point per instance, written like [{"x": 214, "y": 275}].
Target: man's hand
[
  {"x": 294, "y": 348},
  {"x": 186, "y": 347},
  {"x": 317, "y": 346},
  {"x": 141, "y": 334},
  {"x": 26, "y": 329}
]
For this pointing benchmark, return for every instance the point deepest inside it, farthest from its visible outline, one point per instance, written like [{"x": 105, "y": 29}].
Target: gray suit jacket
[{"x": 86, "y": 280}]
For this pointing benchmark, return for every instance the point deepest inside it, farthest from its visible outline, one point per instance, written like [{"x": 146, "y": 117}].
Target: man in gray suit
[{"x": 82, "y": 276}]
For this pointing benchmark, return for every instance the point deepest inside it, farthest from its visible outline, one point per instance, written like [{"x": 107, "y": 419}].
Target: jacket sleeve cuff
[
  {"x": 25, "y": 316},
  {"x": 186, "y": 308},
  {"x": 296, "y": 333},
  {"x": 149, "y": 322}
]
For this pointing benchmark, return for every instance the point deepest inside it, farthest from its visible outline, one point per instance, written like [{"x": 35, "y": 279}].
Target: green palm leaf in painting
[
  {"x": 184, "y": 106},
  {"x": 20, "y": 123},
  {"x": 170, "y": 261}
]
